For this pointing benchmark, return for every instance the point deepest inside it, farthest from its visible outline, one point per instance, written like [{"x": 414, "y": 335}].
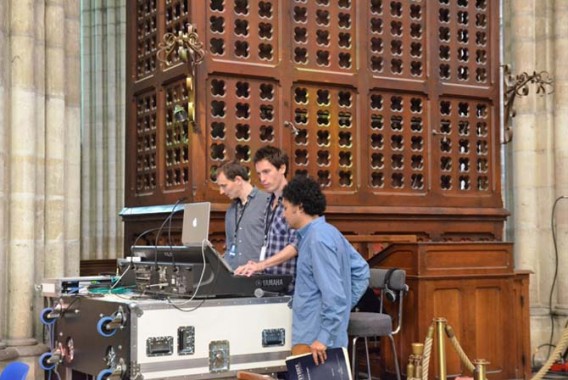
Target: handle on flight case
[
  {"x": 107, "y": 326},
  {"x": 49, "y": 360},
  {"x": 48, "y": 315},
  {"x": 104, "y": 374},
  {"x": 113, "y": 373}
]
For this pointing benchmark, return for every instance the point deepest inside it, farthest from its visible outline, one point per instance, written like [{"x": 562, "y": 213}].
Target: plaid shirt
[{"x": 279, "y": 236}]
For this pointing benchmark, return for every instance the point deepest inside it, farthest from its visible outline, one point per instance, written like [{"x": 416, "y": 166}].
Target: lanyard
[
  {"x": 239, "y": 218},
  {"x": 270, "y": 214}
]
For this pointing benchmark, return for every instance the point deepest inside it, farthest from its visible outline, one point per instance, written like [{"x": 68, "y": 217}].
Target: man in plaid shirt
[{"x": 278, "y": 254}]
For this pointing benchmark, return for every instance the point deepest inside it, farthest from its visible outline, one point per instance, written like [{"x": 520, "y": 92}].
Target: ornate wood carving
[{"x": 391, "y": 105}]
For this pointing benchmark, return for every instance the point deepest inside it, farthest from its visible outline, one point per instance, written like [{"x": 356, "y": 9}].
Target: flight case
[{"x": 127, "y": 337}]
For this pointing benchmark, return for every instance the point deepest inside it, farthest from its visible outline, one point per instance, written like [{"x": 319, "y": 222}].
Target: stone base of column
[
  {"x": 2, "y": 345},
  {"x": 18, "y": 342},
  {"x": 7, "y": 354},
  {"x": 561, "y": 310},
  {"x": 35, "y": 350}
]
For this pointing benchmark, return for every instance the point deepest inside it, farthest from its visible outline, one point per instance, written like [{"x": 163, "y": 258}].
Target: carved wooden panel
[
  {"x": 242, "y": 116},
  {"x": 325, "y": 152},
  {"x": 176, "y": 164},
  {"x": 158, "y": 146},
  {"x": 146, "y": 38},
  {"x": 243, "y": 31},
  {"x": 324, "y": 34},
  {"x": 464, "y": 36},
  {"x": 146, "y": 140},
  {"x": 399, "y": 153},
  {"x": 394, "y": 103},
  {"x": 465, "y": 153},
  {"x": 397, "y": 38}
]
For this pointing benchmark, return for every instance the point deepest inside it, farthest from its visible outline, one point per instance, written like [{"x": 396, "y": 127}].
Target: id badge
[
  {"x": 233, "y": 250},
  {"x": 262, "y": 253}
]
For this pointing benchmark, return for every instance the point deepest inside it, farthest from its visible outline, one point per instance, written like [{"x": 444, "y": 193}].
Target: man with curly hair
[{"x": 331, "y": 276}]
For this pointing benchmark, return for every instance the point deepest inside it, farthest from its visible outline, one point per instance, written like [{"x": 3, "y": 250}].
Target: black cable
[
  {"x": 533, "y": 362},
  {"x": 553, "y": 228},
  {"x": 168, "y": 219},
  {"x": 142, "y": 234},
  {"x": 63, "y": 311},
  {"x": 204, "y": 243}
]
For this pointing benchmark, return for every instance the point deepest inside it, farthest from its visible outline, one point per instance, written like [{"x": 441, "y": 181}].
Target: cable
[
  {"x": 63, "y": 311},
  {"x": 533, "y": 359},
  {"x": 120, "y": 278},
  {"x": 179, "y": 306},
  {"x": 168, "y": 219},
  {"x": 553, "y": 228},
  {"x": 142, "y": 234}
]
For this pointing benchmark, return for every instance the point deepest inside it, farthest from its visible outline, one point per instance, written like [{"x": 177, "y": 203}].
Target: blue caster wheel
[
  {"x": 102, "y": 327},
  {"x": 43, "y": 362}
]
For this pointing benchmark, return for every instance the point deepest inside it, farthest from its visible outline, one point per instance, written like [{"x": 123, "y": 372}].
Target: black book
[{"x": 336, "y": 367}]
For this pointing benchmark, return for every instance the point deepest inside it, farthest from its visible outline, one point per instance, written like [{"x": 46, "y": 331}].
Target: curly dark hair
[
  {"x": 274, "y": 155},
  {"x": 232, "y": 169},
  {"x": 305, "y": 192}
]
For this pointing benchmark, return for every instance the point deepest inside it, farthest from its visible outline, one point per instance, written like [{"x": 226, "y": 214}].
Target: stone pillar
[
  {"x": 39, "y": 161},
  {"x": 72, "y": 143},
  {"x": 560, "y": 145},
  {"x": 524, "y": 139},
  {"x": 104, "y": 39},
  {"x": 538, "y": 158},
  {"x": 26, "y": 132},
  {"x": 55, "y": 135},
  {"x": 4, "y": 79}
]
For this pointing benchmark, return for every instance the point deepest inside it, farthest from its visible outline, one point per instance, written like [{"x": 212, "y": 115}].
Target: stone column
[
  {"x": 25, "y": 119},
  {"x": 39, "y": 161},
  {"x": 55, "y": 135},
  {"x": 560, "y": 145},
  {"x": 104, "y": 39},
  {"x": 4, "y": 79},
  {"x": 72, "y": 142},
  {"x": 531, "y": 44},
  {"x": 524, "y": 155}
]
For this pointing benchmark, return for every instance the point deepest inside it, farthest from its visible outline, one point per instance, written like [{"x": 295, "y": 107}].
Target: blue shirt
[{"x": 331, "y": 277}]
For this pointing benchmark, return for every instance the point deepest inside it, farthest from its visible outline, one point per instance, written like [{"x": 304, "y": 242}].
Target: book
[{"x": 336, "y": 367}]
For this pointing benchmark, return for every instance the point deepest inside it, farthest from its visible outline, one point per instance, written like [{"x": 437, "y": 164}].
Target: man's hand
[
  {"x": 249, "y": 269},
  {"x": 318, "y": 352}
]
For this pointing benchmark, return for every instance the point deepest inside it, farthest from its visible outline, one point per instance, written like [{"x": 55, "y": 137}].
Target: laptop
[{"x": 195, "y": 227}]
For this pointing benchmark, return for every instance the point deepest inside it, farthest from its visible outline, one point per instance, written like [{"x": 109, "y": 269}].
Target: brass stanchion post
[
  {"x": 479, "y": 372},
  {"x": 441, "y": 324}
]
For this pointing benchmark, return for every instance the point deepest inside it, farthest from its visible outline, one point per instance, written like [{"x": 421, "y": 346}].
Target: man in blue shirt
[{"x": 331, "y": 276}]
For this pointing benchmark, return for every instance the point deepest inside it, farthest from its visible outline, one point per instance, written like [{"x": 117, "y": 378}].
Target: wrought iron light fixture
[
  {"x": 186, "y": 47},
  {"x": 517, "y": 86}
]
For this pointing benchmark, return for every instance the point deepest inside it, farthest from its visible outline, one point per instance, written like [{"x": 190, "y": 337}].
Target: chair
[
  {"x": 15, "y": 371},
  {"x": 392, "y": 284}
]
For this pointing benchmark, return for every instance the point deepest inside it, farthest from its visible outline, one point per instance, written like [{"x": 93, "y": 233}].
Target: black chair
[
  {"x": 392, "y": 285},
  {"x": 15, "y": 371}
]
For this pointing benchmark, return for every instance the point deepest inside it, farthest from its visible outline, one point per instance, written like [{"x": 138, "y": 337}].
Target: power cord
[
  {"x": 555, "y": 277},
  {"x": 179, "y": 306}
]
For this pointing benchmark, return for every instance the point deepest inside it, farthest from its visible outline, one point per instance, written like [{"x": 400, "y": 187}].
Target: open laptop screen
[{"x": 195, "y": 223}]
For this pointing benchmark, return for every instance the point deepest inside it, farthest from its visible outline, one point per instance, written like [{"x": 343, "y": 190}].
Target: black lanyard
[{"x": 239, "y": 218}]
